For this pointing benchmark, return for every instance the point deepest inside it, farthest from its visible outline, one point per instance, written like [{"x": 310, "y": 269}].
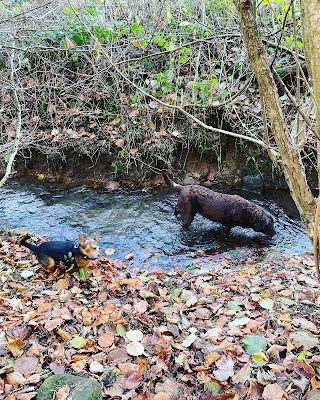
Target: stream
[{"x": 144, "y": 224}]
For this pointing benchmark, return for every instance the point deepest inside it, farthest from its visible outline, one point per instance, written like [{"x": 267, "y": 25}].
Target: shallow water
[{"x": 143, "y": 224}]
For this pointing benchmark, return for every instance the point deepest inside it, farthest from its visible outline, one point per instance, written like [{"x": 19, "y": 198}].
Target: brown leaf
[
  {"x": 106, "y": 340},
  {"x": 20, "y": 332},
  {"x": 16, "y": 346},
  {"x": 26, "y": 396},
  {"x": 225, "y": 368},
  {"x": 304, "y": 369},
  {"x": 25, "y": 365},
  {"x": 63, "y": 334},
  {"x": 161, "y": 396},
  {"x": 313, "y": 394},
  {"x": 211, "y": 358},
  {"x": 61, "y": 284},
  {"x": 243, "y": 375},
  {"x": 15, "y": 379},
  {"x": 314, "y": 383},
  {"x": 134, "y": 380},
  {"x": 70, "y": 44},
  {"x": 120, "y": 142},
  {"x": 56, "y": 367},
  {"x": 53, "y": 324},
  {"x": 272, "y": 392},
  {"x": 62, "y": 393},
  {"x": 305, "y": 340}
]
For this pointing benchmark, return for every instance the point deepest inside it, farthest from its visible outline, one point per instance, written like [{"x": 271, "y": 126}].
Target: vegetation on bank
[{"x": 90, "y": 78}]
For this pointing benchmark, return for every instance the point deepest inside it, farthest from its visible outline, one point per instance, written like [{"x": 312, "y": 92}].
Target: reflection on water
[{"x": 138, "y": 222}]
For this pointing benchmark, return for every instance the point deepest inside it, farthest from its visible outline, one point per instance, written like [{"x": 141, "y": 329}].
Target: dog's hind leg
[
  {"x": 186, "y": 211},
  {"x": 46, "y": 261}
]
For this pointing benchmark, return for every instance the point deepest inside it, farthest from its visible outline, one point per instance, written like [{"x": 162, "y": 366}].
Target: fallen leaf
[
  {"x": 134, "y": 336},
  {"x": 78, "y": 342},
  {"x": 254, "y": 344},
  {"x": 62, "y": 393},
  {"x": 106, "y": 340},
  {"x": 26, "y": 365},
  {"x": 243, "y": 375},
  {"x": 135, "y": 349},
  {"x": 260, "y": 359},
  {"x": 272, "y": 392},
  {"x": 304, "y": 339},
  {"x": 189, "y": 340},
  {"x": 161, "y": 396},
  {"x": 96, "y": 367},
  {"x": 225, "y": 366},
  {"x": 304, "y": 369},
  {"x": 266, "y": 303},
  {"x": 211, "y": 358},
  {"x": 313, "y": 394}
]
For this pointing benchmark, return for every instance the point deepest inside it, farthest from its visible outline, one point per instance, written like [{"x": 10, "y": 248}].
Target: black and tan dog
[
  {"x": 229, "y": 210},
  {"x": 70, "y": 254}
]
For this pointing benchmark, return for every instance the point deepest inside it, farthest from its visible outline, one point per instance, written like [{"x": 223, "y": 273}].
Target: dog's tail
[
  {"x": 170, "y": 183},
  {"x": 23, "y": 242}
]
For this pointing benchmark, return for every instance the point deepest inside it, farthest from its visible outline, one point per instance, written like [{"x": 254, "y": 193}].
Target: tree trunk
[
  {"x": 291, "y": 162},
  {"x": 310, "y": 21}
]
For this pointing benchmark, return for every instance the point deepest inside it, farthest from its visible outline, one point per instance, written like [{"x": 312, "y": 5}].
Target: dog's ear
[
  {"x": 96, "y": 236},
  {"x": 81, "y": 239}
]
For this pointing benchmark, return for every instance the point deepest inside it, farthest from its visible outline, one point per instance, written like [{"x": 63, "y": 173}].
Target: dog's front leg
[
  {"x": 226, "y": 229},
  {"x": 176, "y": 211},
  {"x": 187, "y": 212}
]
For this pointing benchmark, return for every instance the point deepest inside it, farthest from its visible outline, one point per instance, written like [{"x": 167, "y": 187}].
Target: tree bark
[{"x": 290, "y": 159}]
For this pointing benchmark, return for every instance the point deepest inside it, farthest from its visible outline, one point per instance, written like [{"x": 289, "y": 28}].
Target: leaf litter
[{"x": 246, "y": 331}]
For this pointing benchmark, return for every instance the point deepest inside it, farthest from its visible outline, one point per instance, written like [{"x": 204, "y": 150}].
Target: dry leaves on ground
[{"x": 246, "y": 332}]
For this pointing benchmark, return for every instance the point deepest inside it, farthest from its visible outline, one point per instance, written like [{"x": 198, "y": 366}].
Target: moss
[{"x": 80, "y": 388}]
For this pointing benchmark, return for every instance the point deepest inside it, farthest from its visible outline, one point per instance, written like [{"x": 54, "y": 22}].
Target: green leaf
[
  {"x": 175, "y": 293},
  {"x": 179, "y": 360},
  {"x": 235, "y": 305},
  {"x": 238, "y": 322},
  {"x": 213, "y": 387},
  {"x": 303, "y": 354},
  {"x": 137, "y": 29},
  {"x": 121, "y": 330},
  {"x": 286, "y": 301},
  {"x": 70, "y": 9},
  {"x": 159, "y": 41},
  {"x": 189, "y": 340},
  {"x": 83, "y": 273},
  {"x": 78, "y": 342},
  {"x": 183, "y": 59},
  {"x": 254, "y": 344},
  {"x": 266, "y": 303},
  {"x": 259, "y": 359}
]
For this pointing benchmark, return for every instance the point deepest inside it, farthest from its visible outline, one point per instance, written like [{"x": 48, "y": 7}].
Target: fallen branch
[{"x": 18, "y": 127}]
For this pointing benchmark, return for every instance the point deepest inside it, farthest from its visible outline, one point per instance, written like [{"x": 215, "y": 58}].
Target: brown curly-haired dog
[{"x": 229, "y": 210}]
